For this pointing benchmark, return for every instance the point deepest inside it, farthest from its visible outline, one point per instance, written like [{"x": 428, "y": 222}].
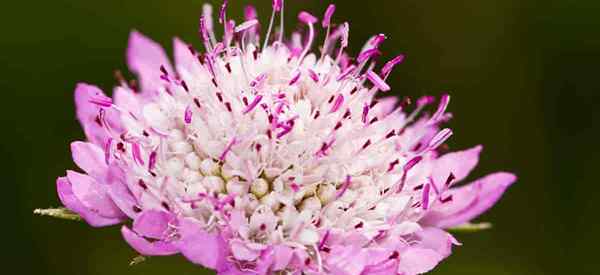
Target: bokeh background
[{"x": 524, "y": 76}]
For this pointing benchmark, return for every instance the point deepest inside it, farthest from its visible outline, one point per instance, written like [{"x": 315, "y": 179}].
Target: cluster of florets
[{"x": 252, "y": 159}]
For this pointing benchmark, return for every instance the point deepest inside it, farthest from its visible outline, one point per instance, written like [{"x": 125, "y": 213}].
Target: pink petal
[
  {"x": 418, "y": 261},
  {"x": 457, "y": 163},
  {"x": 152, "y": 223},
  {"x": 242, "y": 252},
  {"x": 346, "y": 260},
  {"x": 126, "y": 99},
  {"x": 119, "y": 192},
  {"x": 90, "y": 158},
  {"x": 481, "y": 195},
  {"x": 87, "y": 113},
  {"x": 145, "y": 247},
  {"x": 93, "y": 195},
  {"x": 185, "y": 62},
  {"x": 200, "y": 247},
  {"x": 69, "y": 200},
  {"x": 144, "y": 58},
  {"x": 283, "y": 256},
  {"x": 437, "y": 239},
  {"x": 385, "y": 268}
]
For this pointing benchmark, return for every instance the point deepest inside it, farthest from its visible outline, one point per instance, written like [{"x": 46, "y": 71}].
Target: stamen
[
  {"x": 313, "y": 75},
  {"x": 344, "y": 187},
  {"x": 295, "y": 78},
  {"x": 439, "y": 138},
  {"x": 425, "y": 198},
  {"x": 346, "y": 72},
  {"x": 152, "y": 160},
  {"x": 227, "y": 149},
  {"x": 108, "y": 150},
  {"x": 327, "y": 18},
  {"x": 441, "y": 109},
  {"x": 387, "y": 68},
  {"x": 101, "y": 100},
  {"x": 337, "y": 104},
  {"x": 188, "y": 115},
  {"x": 246, "y": 25},
  {"x": 308, "y": 19},
  {"x": 377, "y": 81},
  {"x": 222, "y": 12},
  {"x": 365, "y": 113},
  {"x": 254, "y": 103},
  {"x": 137, "y": 153}
]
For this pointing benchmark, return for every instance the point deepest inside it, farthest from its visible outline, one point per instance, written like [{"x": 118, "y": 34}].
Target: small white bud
[
  {"x": 259, "y": 187},
  {"x": 311, "y": 204},
  {"x": 326, "y": 193}
]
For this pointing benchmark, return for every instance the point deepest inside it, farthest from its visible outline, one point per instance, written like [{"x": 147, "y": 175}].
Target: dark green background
[{"x": 523, "y": 75}]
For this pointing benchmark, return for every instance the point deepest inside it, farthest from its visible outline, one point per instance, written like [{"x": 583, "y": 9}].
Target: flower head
[{"x": 264, "y": 159}]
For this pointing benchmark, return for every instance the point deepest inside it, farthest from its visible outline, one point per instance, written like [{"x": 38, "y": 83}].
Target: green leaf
[
  {"x": 470, "y": 227},
  {"x": 60, "y": 213},
  {"x": 137, "y": 260}
]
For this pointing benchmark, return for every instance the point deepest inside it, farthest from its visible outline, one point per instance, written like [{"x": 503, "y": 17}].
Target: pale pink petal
[
  {"x": 200, "y": 247},
  {"x": 242, "y": 252},
  {"x": 384, "y": 268},
  {"x": 144, "y": 58},
  {"x": 92, "y": 195},
  {"x": 90, "y": 158},
  {"x": 283, "y": 256},
  {"x": 437, "y": 239},
  {"x": 128, "y": 100},
  {"x": 418, "y": 261},
  {"x": 186, "y": 62},
  {"x": 70, "y": 201},
  {"x": 346, "y": 260},
  {"x": 145, "y": 247},
  {"x": 457, "y": 163},
  {"x": 152, "y": 223},
  {"x": 482, "y": 194}
]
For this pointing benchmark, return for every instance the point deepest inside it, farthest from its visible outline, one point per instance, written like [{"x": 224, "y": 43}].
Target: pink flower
[{"x": 254, "y": 160}]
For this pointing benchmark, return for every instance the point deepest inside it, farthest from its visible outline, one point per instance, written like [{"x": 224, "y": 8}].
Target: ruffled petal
[
  {"x": 459, "y": 164},
  {"x": 152, "y": 223},
  {"x": 416, "y": 260},
  {"x": 69, "y": 200},
  {"x": 200, "y": 247},
  {"x": 437, "y": 240},
  {"x": 480, "y": 195},
  {"x": 90, "y": 158},
  {"x": 145, "y": 247},
  {"x": 387, "y": 267},
  {"x": 346, "y": 260},
  {"x": 242, "y": 252},
  {"x": 119, "y": 192},
  {"x": 92, "y": 195},
  {"x": 144, "y": 58},
  {"x": 88, "y": 113}
]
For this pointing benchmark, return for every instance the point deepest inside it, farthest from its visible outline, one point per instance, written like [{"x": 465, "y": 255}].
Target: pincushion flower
[{"x": 272, "y": 159}]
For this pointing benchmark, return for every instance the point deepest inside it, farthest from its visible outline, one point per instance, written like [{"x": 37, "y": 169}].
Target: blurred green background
[{"x": 524, "y": 76}]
